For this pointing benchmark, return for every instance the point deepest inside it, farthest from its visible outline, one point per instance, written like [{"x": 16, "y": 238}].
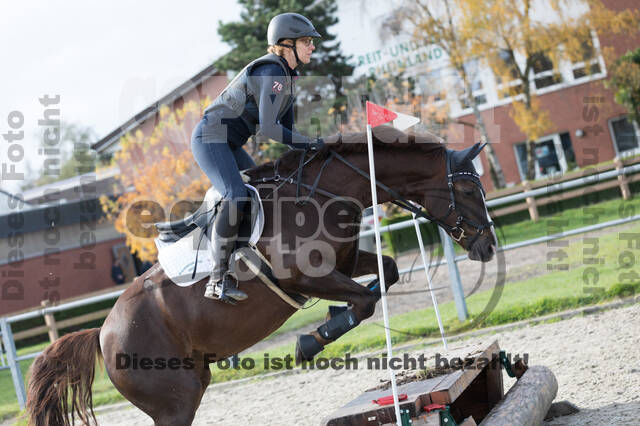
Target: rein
[
  {"x": 298, "y": 181},
  {"x": 398, "y": 199}
]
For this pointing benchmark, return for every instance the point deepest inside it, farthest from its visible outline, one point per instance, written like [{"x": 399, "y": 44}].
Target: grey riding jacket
[{"x": 262, "y": 94}]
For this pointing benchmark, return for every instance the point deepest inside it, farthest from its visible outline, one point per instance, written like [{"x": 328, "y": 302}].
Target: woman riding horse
[
  {"x": 262, "y": 93},
  {"x": 155, "y": 319}
]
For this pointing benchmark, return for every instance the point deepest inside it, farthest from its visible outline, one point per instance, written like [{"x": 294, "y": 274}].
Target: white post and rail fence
[{"x": 621, "y": 175}]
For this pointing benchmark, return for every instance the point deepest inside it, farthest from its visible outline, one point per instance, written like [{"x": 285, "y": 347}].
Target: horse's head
[{"x": 458, "y": 204}]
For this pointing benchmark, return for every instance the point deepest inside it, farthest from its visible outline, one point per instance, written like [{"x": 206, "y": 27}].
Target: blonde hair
[{"x": 278, "y": 50}]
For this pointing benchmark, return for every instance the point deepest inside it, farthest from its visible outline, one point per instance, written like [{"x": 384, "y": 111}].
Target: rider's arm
[{"x": 271, "y": 92}]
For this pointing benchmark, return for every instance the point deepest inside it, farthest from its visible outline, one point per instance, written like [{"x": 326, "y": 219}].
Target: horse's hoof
[
  {"x": 335, "y": 310},
  {"x": 306, "y": 348}
]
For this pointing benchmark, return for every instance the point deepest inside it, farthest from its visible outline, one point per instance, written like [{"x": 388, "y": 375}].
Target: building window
[
  {"x": 478, "y": 93},
  {"x": 589, "y": 63},
  {"x": 544, "y": 74},
  {"x": 625, "y": 135},
  {"x": 474, "y": 73},
  {"x": 552, "y": 156},
  {"x": 431, "y": 85},
  {"x": 508, "y": 84},
  {"x": 580, "y": 70},
  {"x": 507, "y": 57},
  {"x": 567, "y": 148}
]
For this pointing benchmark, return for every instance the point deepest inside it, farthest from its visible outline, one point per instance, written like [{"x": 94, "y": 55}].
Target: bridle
[
  {"x": 398, "y": 199},
  {"x": 475, "y": 179}
]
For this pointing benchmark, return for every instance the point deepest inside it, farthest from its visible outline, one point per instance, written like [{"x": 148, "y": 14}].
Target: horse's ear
[
  {"x": 466, "y": 155},
  {"x": 473, "y": 151},
  {"x": 459, "y": 157}
]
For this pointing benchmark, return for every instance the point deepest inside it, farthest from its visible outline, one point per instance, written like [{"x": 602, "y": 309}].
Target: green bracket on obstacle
[
  {"x": 506, "y": 364},
  {"x": 405, "y": 418},
  {"x": 446, "y": 419}
]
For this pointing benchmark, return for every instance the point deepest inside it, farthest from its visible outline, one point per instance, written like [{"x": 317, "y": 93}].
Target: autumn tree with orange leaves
[
  {"x": 523, "y": 46},
  {"x": 438, "y": 22},
  {"x": 160, "y": 177}
]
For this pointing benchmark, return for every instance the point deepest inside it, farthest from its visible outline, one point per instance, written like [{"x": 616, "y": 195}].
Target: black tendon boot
[{"x": 222, "y": 286}]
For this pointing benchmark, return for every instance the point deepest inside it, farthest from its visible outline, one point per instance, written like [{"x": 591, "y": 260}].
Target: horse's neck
[{"x": 395, "y": 168}]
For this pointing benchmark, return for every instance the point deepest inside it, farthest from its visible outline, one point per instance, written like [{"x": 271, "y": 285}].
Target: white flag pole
[
  {"x": 426, "y": 271},
  {"x": 383, "y": 289}
]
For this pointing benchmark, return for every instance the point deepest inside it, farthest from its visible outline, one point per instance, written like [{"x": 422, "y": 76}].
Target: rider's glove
[{"x": 317, "y": 145}]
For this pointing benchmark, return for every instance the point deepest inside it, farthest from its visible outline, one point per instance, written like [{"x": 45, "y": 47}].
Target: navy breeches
[{"x": 219, "y": 161}]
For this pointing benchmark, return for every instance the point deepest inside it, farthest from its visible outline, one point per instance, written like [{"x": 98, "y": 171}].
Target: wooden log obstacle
[{"x": 466, "y": 396}]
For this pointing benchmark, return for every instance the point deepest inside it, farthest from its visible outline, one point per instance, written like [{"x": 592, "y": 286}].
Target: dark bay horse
[{"x": 170, "y": 334}]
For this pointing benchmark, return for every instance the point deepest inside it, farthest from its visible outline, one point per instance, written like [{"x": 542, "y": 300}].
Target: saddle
[
  {"x": 183, "y": 249},
  {"x": 170, "y": 232}
]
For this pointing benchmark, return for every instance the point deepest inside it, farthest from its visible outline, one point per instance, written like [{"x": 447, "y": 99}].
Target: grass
[
  {"x": 568, "y": 219},
  {"x": 561, "y": 221},
  {"x": 553, "y": 292}
]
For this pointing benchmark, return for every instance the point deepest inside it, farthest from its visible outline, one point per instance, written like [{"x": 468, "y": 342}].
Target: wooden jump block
[
  {"x": 363, "y": 411},
  {"x": 470, "y": 392}
]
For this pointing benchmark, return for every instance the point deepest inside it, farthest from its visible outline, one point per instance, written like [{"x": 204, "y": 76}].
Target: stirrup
[{"x": 225, "y": 290}]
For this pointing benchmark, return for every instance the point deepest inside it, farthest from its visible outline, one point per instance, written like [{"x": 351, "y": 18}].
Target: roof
[
  {"x": 10, "y": 202},
  {"x": 135, "y": 121},
  {"x": 88, "y": 185},
  {"x": 34, "y": 220},
  {"x": 73, "y": 200}
]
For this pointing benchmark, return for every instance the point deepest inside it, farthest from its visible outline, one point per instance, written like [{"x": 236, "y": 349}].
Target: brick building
[
  {"x": 588, "y": 127},
  {"x": 57, "y": 244}
]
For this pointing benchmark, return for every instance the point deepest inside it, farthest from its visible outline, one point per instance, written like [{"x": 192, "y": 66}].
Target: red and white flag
[{"x": 377, "y": 115}]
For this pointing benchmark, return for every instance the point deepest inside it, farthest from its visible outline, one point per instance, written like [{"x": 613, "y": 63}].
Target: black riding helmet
[{"x": 289, "y": 25}]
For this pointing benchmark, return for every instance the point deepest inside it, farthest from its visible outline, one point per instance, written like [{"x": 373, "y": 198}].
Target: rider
[{"x": 261, "y": 94}]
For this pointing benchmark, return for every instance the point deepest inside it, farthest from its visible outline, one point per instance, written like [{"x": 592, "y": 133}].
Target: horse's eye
[{"x": 469, "y": 192}]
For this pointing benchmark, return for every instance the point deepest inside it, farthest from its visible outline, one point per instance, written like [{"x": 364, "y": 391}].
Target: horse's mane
[{"x": 383, "y": 136}]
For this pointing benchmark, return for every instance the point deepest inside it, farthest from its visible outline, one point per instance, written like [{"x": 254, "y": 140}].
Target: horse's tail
[{"x": 66, "y": 365}]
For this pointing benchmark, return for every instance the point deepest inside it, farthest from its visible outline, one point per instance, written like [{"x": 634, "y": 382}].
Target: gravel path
[{"x": 595, "y": 359}]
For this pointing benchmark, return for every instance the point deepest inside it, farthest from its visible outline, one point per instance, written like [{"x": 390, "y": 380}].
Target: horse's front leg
[
  {"x": 368, "y": 264},
  {"x": 333, "y": 286}
]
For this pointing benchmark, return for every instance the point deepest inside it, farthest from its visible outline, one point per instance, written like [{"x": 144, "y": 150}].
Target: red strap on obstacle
[
  {"x": 432, "y": 407},
  {"x": 377, "y": 115},
  {"x": 386, "y": 400}
]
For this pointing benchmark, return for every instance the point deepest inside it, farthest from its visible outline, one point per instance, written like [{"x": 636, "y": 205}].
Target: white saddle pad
[{"x": 178, "y": 259}]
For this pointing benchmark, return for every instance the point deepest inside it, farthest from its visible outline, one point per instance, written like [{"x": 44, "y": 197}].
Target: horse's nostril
[{"x": 492, "y": 249}]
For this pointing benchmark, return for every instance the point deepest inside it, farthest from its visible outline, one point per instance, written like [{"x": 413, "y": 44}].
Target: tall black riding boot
[{"x": 224, "y": 232}]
